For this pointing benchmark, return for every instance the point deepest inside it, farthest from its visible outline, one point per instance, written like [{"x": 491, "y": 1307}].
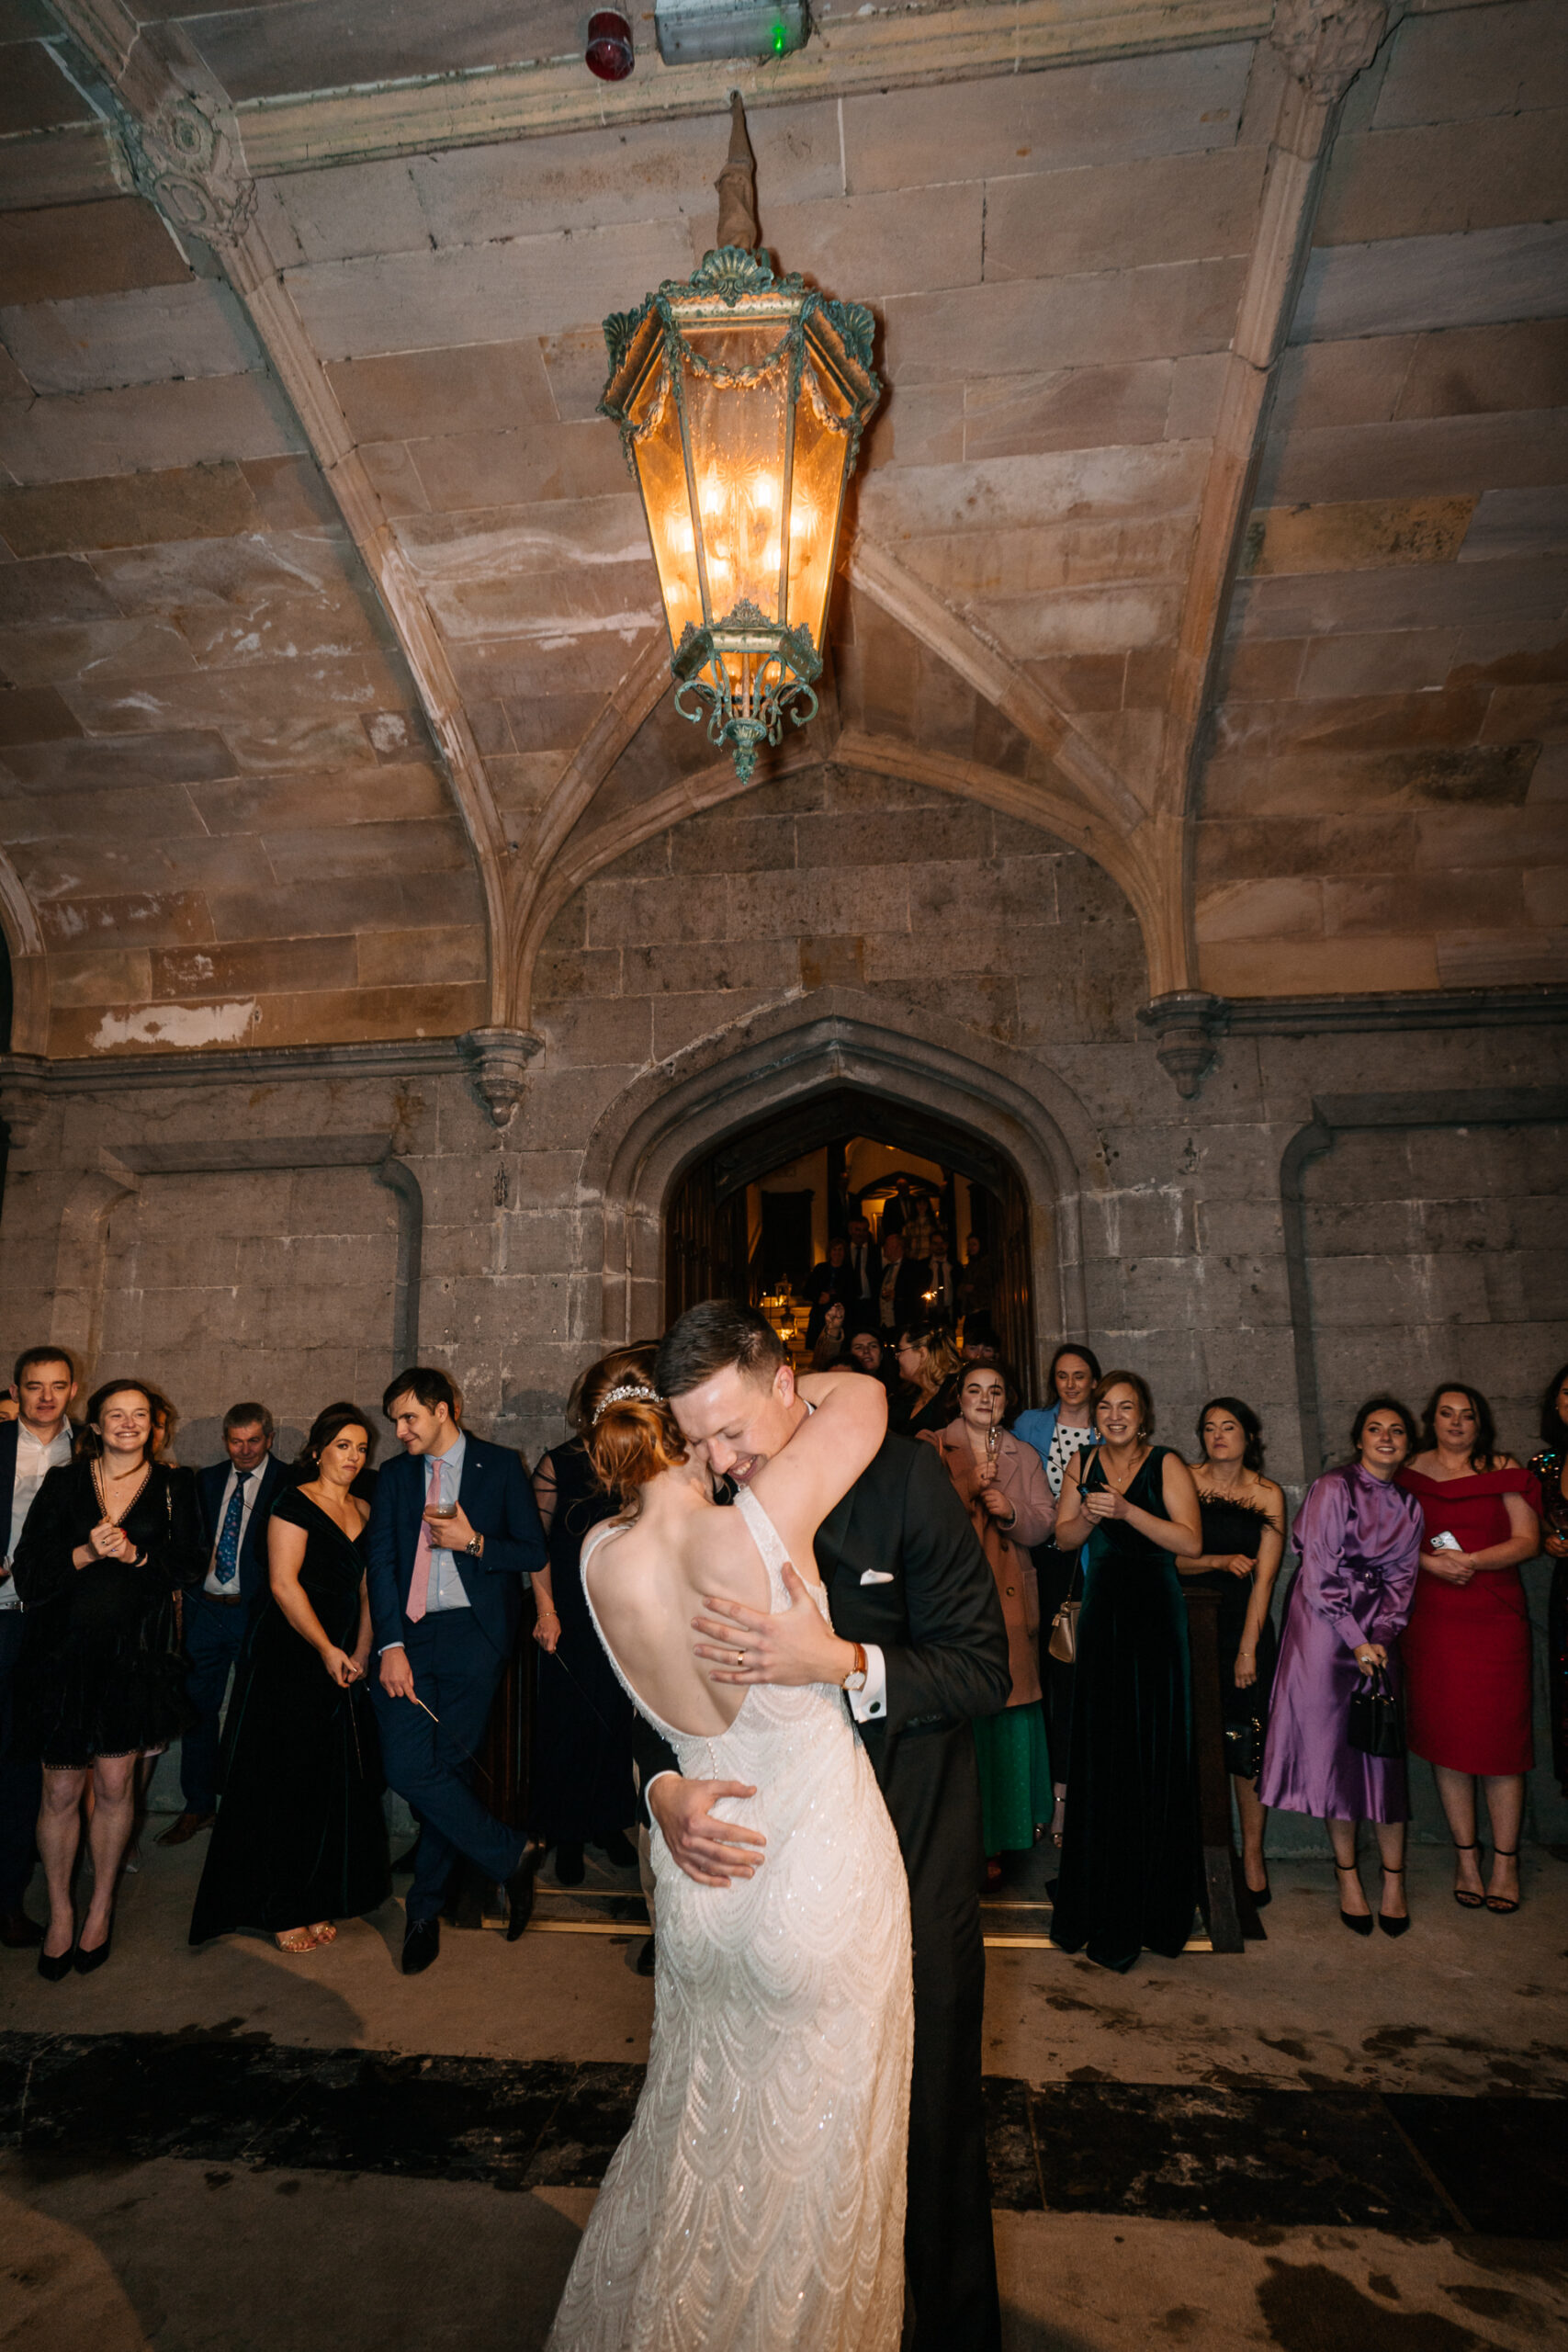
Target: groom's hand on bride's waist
[
  {"x": 795, "y": 1646},
  {"x": 708, "y": 1848}
]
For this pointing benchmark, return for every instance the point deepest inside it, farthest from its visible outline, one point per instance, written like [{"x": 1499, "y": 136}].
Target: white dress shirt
[
  {"x": 35, "y": 1460},
  {"x": 230, "y": 1591},
  {"x": 445, "y": 1579}
]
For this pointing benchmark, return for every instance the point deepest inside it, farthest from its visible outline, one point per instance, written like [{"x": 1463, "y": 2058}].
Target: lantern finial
[{"x": 737, "y": 184}]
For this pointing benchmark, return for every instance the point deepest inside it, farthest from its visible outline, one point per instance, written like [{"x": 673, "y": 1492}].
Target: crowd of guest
[
  {"x": 1406, "y": 1629},
  {"x": 313, "y": 1634},
  {"x": 364, "y": 1627}
]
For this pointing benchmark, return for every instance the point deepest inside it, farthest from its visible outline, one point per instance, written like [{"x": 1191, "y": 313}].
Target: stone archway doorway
[{"x": 763, "y": 1202}]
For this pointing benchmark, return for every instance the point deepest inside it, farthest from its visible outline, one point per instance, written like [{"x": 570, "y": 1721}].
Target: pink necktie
[{"x": 418, "y": 1588}]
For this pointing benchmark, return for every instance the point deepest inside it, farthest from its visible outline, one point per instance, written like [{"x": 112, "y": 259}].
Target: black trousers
[
  {"x": 214, "y": 1636},
  {"x": 931, "y": 1786},
  {"x": 21, "y": 1781}
]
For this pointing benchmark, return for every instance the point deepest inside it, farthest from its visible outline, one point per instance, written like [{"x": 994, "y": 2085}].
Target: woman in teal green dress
[{"x": 1130, "y": 1845}]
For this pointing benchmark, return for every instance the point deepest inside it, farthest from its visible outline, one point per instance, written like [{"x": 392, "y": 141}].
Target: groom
[{"x": 919, "y": 1646}]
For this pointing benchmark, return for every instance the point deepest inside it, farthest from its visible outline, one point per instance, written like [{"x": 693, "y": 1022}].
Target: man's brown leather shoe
[
  {"x": 18, "y": 1932},
  {"x": 189, "y": 1826}
]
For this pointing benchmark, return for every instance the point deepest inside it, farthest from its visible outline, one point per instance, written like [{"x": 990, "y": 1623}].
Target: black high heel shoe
[
  {"x": 1261, "y": 1898},
  {"x": 1462, "y": 1896},
  {"x": 54, "y": 1968},
  {"x": 86, "y": 1961},
  {"x": 1503, "y": 1904},
  {"x": 1359, "y": 1923},
  {"x": 1392, "y": 1927}
]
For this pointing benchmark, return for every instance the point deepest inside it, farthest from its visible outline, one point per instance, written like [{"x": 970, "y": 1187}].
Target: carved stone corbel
[
  {"x": 498, "y": 1059},
  {"x": 1186, "y": 1022},
  {"x": 24, "y": 1096},
  {"x": 187, "y": 157},
  {"x": 174, "y": 118},
  {"x": 1325, "y": 43}
]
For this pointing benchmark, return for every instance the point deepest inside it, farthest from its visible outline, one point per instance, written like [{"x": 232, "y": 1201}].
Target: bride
[{"x": 757, "y": 2203}]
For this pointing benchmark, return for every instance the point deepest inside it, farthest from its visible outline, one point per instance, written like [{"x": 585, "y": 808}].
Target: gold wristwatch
[{"x": 856, "y": 1679}]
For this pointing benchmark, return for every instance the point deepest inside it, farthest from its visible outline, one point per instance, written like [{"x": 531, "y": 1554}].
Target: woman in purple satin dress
[{"x": 1360, "y": 1540}]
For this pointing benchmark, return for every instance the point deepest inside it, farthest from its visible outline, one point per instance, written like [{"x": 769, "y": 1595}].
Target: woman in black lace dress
[
  {"x": 1549, "y": 1467},
  {"x": 100, "y": 1680},
  {"x": 300, "y": 1840},
  {"x": 1244, "y": 1542}
]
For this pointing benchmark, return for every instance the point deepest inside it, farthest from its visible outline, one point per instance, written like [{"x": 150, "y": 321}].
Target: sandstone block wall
[{"x": 1384, "y": 805}]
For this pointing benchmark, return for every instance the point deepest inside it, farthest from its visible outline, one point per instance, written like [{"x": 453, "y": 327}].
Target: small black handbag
[{"x": 1377, "y": 1725}]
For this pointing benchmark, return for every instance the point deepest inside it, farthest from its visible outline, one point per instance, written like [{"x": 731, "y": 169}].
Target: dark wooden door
[
  {"x": 704, "y": 1244},
  {"x": 1013, "y": 1305}
]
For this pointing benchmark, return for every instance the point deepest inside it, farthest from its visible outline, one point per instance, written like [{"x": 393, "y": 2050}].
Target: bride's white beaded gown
[{"x": 757, "y": 2203}]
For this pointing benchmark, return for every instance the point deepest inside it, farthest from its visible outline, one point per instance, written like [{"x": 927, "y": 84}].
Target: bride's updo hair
[{"x": 629, "y": 1431}]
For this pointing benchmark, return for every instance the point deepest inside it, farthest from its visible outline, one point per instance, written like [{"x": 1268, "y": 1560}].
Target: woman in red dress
[{"x": 1467, "y": 1648}]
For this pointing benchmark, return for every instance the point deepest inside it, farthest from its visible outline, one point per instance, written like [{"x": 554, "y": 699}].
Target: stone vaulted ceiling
[{"x": 1215, "y": 522}]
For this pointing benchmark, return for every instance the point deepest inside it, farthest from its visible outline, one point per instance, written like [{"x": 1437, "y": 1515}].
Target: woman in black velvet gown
[
  {"x": 1130, "y": 1845},
  {"x": 301, "y": 1840},
  {"x": 1244, "y": 1542},
  {"x": 582, "y": 1792}
]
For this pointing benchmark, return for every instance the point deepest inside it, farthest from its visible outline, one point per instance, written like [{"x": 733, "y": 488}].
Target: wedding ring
[{"x": 739, "y": 1658}]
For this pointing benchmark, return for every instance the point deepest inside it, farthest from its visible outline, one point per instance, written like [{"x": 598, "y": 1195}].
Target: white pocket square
[{"x": 876, "y": 1576}]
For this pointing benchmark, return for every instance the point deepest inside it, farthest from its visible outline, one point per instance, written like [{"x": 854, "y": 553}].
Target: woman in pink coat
[{"x": 1002, "y": 1484}]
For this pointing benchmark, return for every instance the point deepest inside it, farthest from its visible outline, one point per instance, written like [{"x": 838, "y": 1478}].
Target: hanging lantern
[{"x": 741, "y": 398}]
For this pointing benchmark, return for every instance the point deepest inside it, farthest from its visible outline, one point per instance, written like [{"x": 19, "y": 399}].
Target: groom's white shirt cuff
[{"x": 870, "y": 1705}]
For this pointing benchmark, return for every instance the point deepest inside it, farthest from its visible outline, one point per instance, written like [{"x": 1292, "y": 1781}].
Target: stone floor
[{"x": 1321, "y": 2144}]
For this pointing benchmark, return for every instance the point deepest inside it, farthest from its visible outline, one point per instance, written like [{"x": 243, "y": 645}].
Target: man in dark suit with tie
[
  {"x": 37, "y": 1440},
  {"x": 898, "y": 1303},
  {"x": 918, "y": 1644},
  {"x": 862, "y": 1264},
  {"x": 236, "y": 1499},
  {"x": 454, "y": 1530},
  {"x": 940, "y": 1297}
]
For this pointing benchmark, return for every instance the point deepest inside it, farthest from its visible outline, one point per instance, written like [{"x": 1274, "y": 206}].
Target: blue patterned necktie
[{"x": 228, "y": 1564}]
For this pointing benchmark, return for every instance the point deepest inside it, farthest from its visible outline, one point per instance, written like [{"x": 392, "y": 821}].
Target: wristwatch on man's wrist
[
  {"x": 856, "y": 1679},
  {"x": 475, "y": 1547}
]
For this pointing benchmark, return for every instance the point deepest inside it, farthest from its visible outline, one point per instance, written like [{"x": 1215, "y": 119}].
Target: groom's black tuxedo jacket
[{"x": 931, "y": 1605}]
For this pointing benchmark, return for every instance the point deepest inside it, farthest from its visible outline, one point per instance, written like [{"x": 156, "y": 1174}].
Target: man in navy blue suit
[
  {"x": 454, "y": 1530},
  {"x": 39, "y": 1439},
  {"x": 236, "y": 1499}
]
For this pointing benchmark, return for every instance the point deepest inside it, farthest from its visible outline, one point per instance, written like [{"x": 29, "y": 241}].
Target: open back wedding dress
[{"x": 757, "y": 2203}]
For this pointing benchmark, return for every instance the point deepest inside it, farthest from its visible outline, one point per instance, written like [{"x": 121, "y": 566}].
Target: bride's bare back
[{"x": 648, "y": 1579}]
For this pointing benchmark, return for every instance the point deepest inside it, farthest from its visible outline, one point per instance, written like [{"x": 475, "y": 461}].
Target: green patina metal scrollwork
[{"x": 782, "y": 684}]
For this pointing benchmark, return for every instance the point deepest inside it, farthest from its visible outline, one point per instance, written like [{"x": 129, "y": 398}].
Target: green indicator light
[{"x": 781, "y": 39}]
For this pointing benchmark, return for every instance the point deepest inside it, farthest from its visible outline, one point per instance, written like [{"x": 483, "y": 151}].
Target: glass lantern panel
[
  {"x": 817, "y": 490},
  {"x": 661, "y": 471},
  {"x": 737, "y": 442}
]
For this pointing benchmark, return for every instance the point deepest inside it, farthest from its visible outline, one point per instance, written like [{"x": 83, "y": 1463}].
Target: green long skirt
[{"x": 1015, "y": 1777}]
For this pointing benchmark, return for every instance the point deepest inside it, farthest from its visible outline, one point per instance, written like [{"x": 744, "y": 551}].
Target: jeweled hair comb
[{"x": 627, "y": 1389}]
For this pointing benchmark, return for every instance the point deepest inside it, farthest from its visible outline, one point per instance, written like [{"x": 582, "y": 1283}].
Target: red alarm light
[{"x": 609, "y": 51}]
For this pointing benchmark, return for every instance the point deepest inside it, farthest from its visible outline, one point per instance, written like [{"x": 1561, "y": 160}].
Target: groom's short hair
[{"x": 712, "y": 1336}]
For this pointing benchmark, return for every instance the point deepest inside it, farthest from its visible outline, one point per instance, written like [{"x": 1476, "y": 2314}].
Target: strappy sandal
[
  {"x": 1503, "y": 1904},
  {"x": 1391, "y": 1927},
  {"x": 1462, "y": 1896},
  {"x": 1358, "y": 1922},
  {"x": 295, "y": 1939},
  {"x": 322, "y": 1932}
]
